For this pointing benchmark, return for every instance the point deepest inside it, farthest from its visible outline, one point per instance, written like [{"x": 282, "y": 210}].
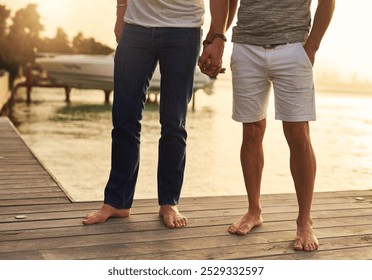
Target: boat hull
[{"x": 96, "y": 72}]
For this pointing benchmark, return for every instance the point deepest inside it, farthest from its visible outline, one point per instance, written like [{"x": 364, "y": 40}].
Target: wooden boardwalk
[{"x": 38, "y": 221}]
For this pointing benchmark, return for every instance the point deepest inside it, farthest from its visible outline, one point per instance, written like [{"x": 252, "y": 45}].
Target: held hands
[{"x": 210, "y": 62}]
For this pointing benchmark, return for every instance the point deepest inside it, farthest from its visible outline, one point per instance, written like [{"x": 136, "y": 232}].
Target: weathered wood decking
[{"x": 53, "y": 228}]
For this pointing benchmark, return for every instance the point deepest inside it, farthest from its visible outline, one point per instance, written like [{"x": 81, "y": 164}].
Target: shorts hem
[
  {"x": 304, "y": 118},
  {"x": 245, "y": 119}
]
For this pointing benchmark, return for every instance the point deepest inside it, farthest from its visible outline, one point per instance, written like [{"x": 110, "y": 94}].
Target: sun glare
[
  {"x": 51, "y": 9},
  {"x": 53, "y": 14}
]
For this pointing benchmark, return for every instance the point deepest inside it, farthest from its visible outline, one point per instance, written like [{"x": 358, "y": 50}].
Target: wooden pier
[{"x": 39, "y": 221}]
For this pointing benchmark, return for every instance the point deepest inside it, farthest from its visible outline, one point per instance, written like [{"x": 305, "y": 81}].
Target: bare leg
[
  {"x": 303, "y": 169},
  {"x": 104, "y": 213},
  {"x": 252, "y": 161},
  {"x": 172, "y": 218}
]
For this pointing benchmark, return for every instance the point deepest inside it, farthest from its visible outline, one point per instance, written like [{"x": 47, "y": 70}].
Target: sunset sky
[{"x": 346, "y": 46}]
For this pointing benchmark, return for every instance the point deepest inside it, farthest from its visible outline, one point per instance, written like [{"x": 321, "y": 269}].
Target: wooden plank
[
  {"x": 13, "y": 182},
  {"x": 354, "y": 253},
  {"x": 21, "y": 230},
  {"x": 20, "y": 202},
  {"x": 167, "y": 244},
  {"x": 25, "y": 168},
  {"x": 359, "y": 253},
  {"x": 25, "y": 190},
  {"x": 49, "y": 208},
  {"x": 32, "y": 195}
]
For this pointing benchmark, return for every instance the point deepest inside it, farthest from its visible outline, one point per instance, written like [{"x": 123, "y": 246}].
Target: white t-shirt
[{"x": 165, "y": 13}]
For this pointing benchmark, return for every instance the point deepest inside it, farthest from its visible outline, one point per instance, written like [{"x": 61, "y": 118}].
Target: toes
[
  {"x": 93, "y": 219},
  {"x": 89, "y": 215},
  {"x": 171, "y": 217},
  {"x": 88, "y": 221},
  {"x": 168, "y": 222},
  {"x": 171, "y": 225},
  {"x": 178, "y": 224},
  {"x": 182, "y": 222},
  {"x": 232, "y": 229},
  {"x": 242, "y": 232},
  {"x": 298, "y": 246},
  {"x": 175, "y": 223},
  {"x": 305, "y": 246},
  {"x": 311, "y": 247}
]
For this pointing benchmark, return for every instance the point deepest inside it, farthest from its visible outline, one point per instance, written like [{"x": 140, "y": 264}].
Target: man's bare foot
[
  {"x": 246, "y": 224},
  {"x": 305, "y": 238},
  {"x": 104, "y": 213},
  {"x": 172, "y": 218}
]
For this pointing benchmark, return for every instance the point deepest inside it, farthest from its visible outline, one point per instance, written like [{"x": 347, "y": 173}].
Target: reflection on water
[{"x": 73, "y": 141}]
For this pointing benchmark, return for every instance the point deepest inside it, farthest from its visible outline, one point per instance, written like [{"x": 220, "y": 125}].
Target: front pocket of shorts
[{"x": 304, "y": 55}]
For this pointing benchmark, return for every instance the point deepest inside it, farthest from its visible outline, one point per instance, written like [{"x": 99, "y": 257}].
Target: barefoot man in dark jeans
[
  {"x": 151, "y": 32},
  {"x": 274, "y": 43}
]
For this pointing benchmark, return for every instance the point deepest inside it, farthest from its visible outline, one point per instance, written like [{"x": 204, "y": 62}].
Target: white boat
[{"x": 96, "y": 72}]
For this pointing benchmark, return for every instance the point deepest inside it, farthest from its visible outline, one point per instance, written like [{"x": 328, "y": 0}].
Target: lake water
[{"x": 73, "y": 142}]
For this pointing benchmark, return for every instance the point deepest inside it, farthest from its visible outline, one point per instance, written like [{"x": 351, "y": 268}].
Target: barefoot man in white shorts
[{"x": 274, "y": 44}]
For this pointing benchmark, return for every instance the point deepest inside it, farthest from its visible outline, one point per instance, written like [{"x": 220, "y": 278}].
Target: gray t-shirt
[{"x": 262, "y": 22}]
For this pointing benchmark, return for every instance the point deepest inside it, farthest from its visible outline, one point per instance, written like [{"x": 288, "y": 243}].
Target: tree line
[{"x": 20, "y": 40}]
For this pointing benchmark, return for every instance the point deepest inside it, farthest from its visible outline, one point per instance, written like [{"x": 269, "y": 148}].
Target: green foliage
[{"x": 20, "y": 41}]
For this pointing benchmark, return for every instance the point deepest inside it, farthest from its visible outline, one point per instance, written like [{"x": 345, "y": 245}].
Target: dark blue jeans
[{"x": 139, "y": 51}]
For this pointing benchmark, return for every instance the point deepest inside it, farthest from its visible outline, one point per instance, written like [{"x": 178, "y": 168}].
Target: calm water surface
[{"x": 73, "y": 141}]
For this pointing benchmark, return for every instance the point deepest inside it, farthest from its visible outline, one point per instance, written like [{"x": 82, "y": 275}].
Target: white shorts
[{"x": 290, "y": 71}]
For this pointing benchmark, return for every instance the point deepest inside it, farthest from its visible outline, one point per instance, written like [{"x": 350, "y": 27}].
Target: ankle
[
  {"x": 255, "y": 211},
  {"x": 304, "y": 222},
  {"x": 168, "y": 208}
]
